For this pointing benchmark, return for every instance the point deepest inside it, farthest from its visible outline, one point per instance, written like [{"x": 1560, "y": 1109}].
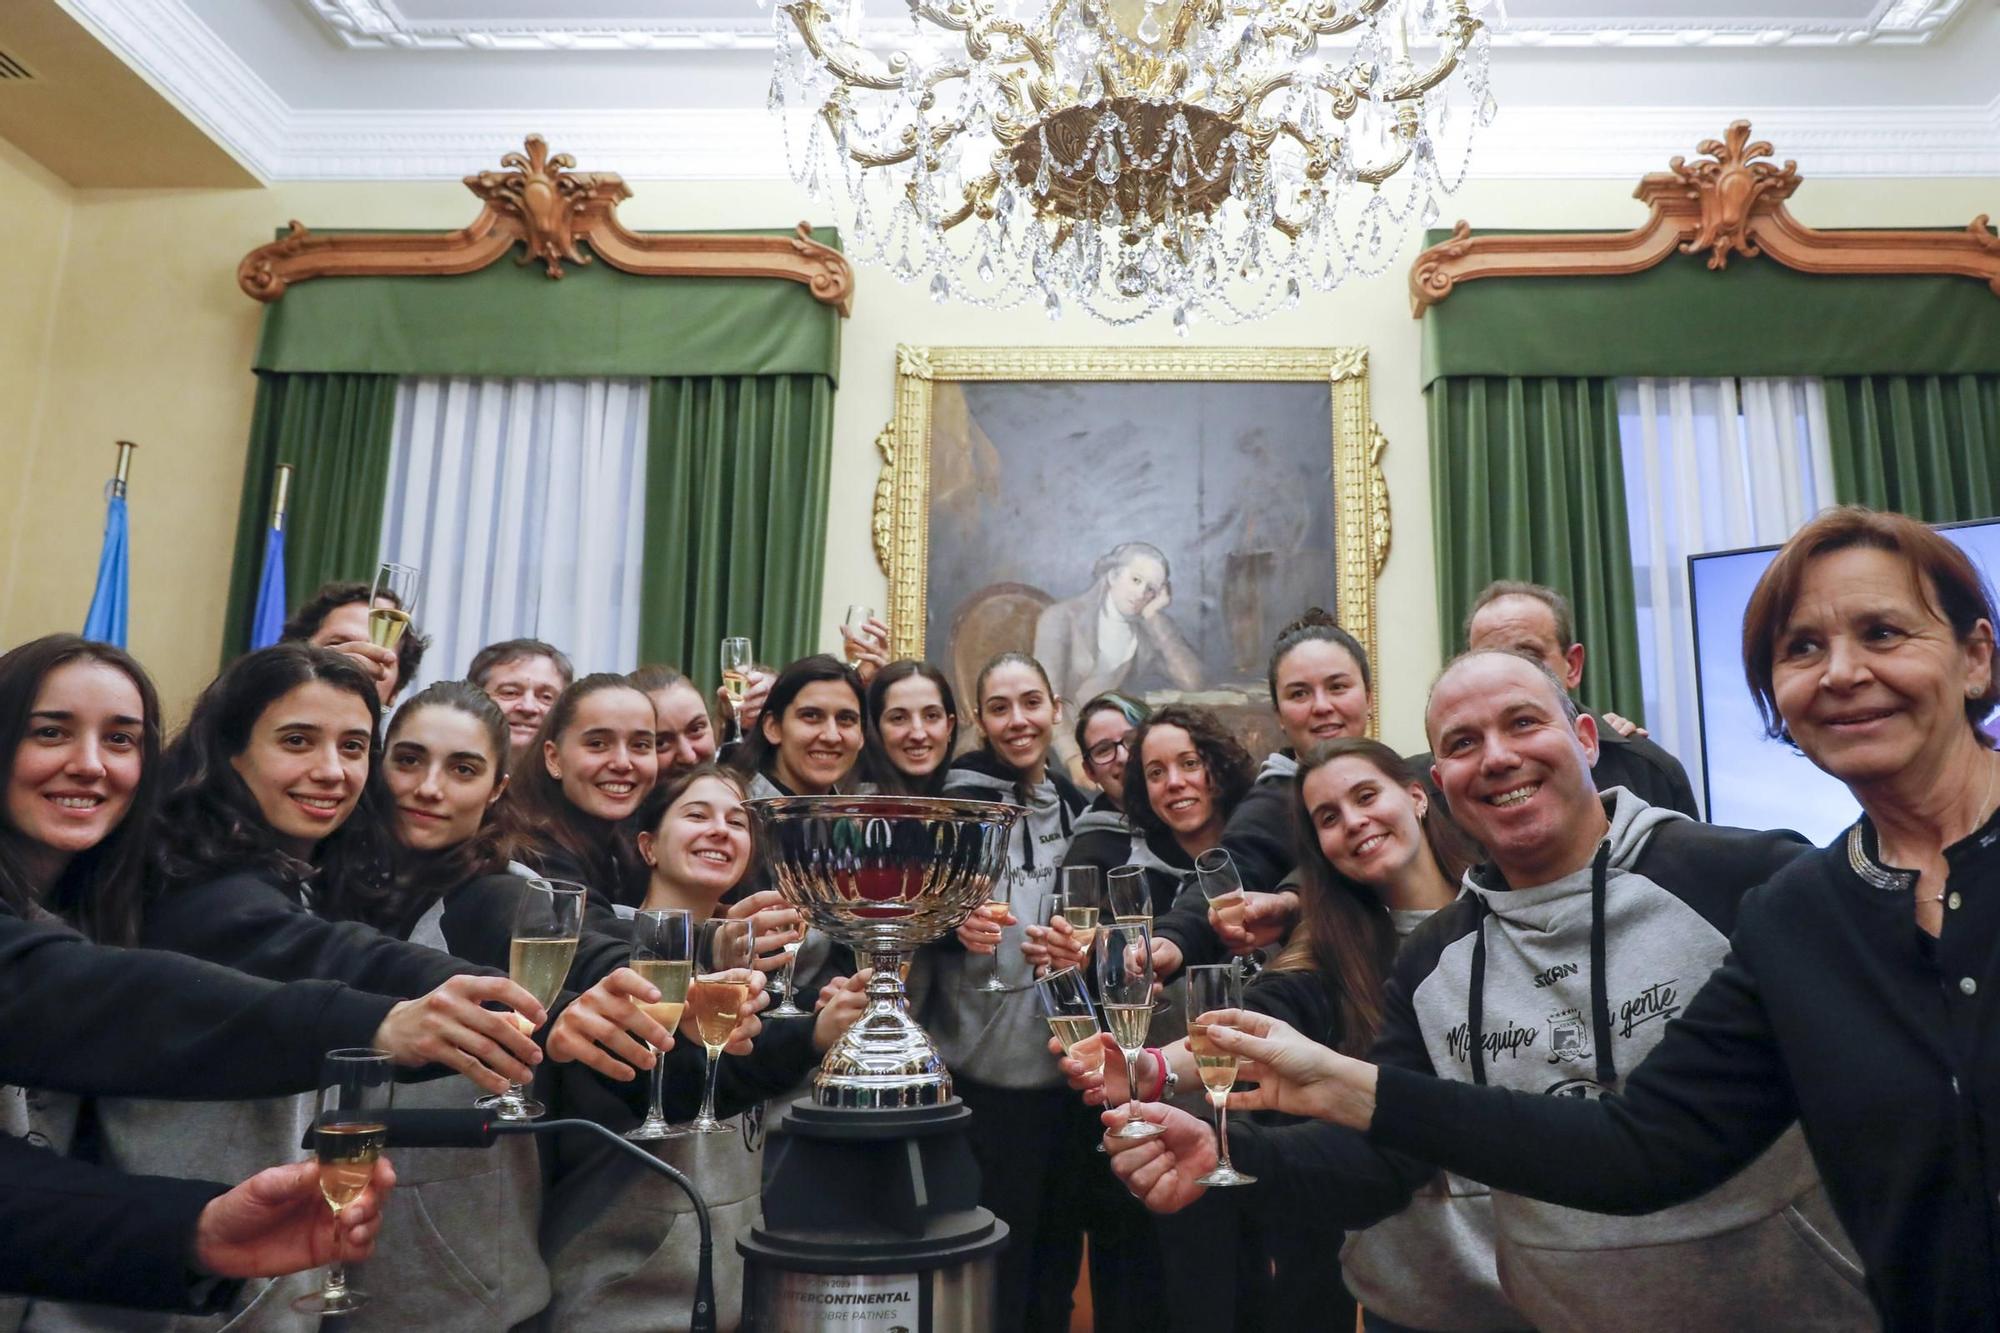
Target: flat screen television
[{"x": 1753, "y": 781}]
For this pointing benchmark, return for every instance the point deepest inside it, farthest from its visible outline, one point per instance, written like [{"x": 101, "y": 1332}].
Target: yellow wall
[{"x": 151, "y": 340}]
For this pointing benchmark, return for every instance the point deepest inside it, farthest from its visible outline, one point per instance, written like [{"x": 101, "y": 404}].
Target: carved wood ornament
[
  {"x": 540, "y": 203},
  {"x": 1729, "y": 202}
]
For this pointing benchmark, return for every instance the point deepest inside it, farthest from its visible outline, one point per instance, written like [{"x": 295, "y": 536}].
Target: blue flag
[
  {"x": 269, "y": 617},
  {"x": 106, "y": 621}
]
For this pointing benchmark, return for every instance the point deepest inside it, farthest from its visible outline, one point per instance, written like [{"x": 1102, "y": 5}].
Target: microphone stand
[{"x": 473, "y": 1128}]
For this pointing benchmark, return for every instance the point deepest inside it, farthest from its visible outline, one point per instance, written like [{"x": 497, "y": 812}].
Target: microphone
[{"x": 472, "y": 1127}]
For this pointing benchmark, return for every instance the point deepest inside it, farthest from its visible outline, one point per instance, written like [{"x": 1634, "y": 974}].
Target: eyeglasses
[{"x": 1101, "y": 752}]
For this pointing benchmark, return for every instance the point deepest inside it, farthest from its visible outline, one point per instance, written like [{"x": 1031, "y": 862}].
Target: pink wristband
[{"x": 1161, "y": 1060}]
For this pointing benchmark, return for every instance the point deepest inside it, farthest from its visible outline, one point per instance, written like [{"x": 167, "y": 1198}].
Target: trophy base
[{"x": 884, "y": 1062}]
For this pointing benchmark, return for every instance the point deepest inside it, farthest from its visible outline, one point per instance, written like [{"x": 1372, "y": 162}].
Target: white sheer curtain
[
  {"x": 1710, "y": 465},
  {"x": 523, "y": 503}
]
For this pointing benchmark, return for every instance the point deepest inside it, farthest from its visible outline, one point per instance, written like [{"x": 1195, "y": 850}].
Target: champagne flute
[
  {"x": 1213, "y": 986},
  {"x": 1001, "y": 892},
  {"x": 1080, "y": 903},
  {"x": 356, "y": 1086},
  {"x": 736, "y": 661},
  {"x": 725, "y": 951},
  {"x": 547, "y": 921},
  {"x": 1065, "y": 1001},
  {"x": 787, "y": 985},
  {"x": 1124, "y": 961},
  {"x": 662, "y": 953},
  {"x": 1221, "y": 884},
  {"x": 395, "y": 585},
  {"x": 1130, "y": 899}
]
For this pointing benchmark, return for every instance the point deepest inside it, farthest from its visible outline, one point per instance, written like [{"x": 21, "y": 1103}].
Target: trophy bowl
[{"x": 883, "y": 875}]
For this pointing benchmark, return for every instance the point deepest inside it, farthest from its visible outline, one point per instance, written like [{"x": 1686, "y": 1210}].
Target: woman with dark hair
[
  {"x": 570, "y": 808},
  {"x": 912, "y": 729},
  {"x": 272, "y": 825},
  {"x": 808, "y": 737},
  {"x": 1032, "y": 1162},
  {"x": 1102, "y": 836},
  {"x": 1320, "y": 689},
  {"x": 619, "y": 1242},
  {"x": 686, "y": 733},
  {"x": 80, "y": 724}
]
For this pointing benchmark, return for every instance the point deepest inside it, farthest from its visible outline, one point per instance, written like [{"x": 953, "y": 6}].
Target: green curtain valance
[
  {"x": 510, "y": 319},
  {"x": 1756, "y": 317}
]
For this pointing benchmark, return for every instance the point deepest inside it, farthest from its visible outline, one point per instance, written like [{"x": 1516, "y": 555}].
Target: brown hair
[
  {"x": 1230, "y": 768},
  {"x": 1943, "y": 576},
  {"x": 1316, "y": 625},
  {"x": 1345, "y": 933}
]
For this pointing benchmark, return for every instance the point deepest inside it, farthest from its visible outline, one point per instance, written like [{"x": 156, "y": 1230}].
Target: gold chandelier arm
[
  {"x": 941, "y": 135},
  {"x": 805, "y": 16},
  {"x": 1420, "y": 84},
  {"x": 1045, "y": 65}
]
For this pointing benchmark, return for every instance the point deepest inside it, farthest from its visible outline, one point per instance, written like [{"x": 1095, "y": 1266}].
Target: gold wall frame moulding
[
  {"x": 1729, "y": 202},
  {"x": 537, "y": 201},
  {"x": 900, "y": 520}
]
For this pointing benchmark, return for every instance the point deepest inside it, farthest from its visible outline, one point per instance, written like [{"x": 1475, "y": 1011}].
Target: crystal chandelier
[{"x": 1208, "y": 157}]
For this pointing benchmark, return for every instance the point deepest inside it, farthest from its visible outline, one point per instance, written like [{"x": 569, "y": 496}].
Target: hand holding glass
[
  {"x": 1212, "y": 987},
  {"x": 355, "y": 1087},
  {"x": 662, "y": 953},
  {"x": 1221, "y": 885},
  {"x": 1000, "y": 894},
  {"x": 736, "y": 662},
  {"x": 547, "y": 921},
  {"x": 1124, "y": 963},
  {"x": 1065, "y": 1002},
  {"x": 725, "y": 957},
  {"x": 395, "y": 585}
]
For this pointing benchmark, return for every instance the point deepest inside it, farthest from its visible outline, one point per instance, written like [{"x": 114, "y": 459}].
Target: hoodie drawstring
[
  {"x": 1028, "y": 834},
  {"x": 1600, "y": 1003}
]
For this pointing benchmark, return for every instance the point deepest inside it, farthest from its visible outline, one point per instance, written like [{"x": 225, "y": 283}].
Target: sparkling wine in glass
[
  {"x": 1131, "y": 901},
  {"x": 1211, "y": 987},
  {"x": 725, "y": 954},
  {"x": 1065, "y": 1001},
  {"x": 736, "y": 661},
  {"x": 1124, "y": 962},
  {"x": 547, "y": 921},
  {"x": 662, "y": 953},
  {"x": 1081, "y": 903},
  {"x": 998, "y": 895},
  {"x": 392, "y": 604},
  {"x": 355, "y": 1087}
]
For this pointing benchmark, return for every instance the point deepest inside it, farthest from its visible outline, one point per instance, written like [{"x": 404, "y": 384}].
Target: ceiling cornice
[
  {"x": 190, "y": 65},
  {"x": 381, "y": 25}
]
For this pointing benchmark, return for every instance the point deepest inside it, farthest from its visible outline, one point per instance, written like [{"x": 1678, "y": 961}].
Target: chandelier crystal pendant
[{"x": 1208, "y": 157}]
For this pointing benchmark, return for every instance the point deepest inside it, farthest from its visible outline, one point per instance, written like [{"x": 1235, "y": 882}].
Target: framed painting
[{"x": 1140, "y": 519}]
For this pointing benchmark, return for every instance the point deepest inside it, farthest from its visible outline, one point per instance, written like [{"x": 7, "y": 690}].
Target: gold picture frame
[{"x": 901, "y": 519}]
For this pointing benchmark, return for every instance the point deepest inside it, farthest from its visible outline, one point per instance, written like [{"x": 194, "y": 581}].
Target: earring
[{"x": 1423, "y": 808}]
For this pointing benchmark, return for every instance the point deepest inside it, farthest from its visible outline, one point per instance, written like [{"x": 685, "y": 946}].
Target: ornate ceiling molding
[
  {"x": 539, "y": 202},
  {"x": 1731, "y": 201},
  {"x": 382, "y": 25}
]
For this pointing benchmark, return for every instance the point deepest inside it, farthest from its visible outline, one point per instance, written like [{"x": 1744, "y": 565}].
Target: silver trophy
[{"x": 883, "y": 875}]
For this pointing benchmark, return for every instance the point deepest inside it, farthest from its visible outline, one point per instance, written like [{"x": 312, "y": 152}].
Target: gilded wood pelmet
[
  {"x": 1729, "y": 202},
  {"x": 557, "y": 216}
]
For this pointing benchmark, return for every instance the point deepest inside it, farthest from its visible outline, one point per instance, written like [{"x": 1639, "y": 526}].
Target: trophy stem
[{"x": 885, "y": 1060}]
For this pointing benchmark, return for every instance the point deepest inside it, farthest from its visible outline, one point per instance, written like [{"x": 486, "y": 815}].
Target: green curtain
[
  {"x": 736, "y": 479},
  {"x": 1527, "y": 483},
  {"x": 1926, "y": 445},
  {"x": 335, "y": 430}
]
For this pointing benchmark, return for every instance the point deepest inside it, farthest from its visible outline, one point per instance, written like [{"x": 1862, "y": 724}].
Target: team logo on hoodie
[{"x": 1569, "y": 1038}]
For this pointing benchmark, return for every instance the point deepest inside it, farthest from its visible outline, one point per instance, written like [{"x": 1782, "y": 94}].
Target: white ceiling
[{"x": 374, "y": 89}]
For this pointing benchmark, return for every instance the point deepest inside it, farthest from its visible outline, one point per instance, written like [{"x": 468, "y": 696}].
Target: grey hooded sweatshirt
[
  {"x": 1000, "y": 1040},
  {"x": 1562, "y": 989}
]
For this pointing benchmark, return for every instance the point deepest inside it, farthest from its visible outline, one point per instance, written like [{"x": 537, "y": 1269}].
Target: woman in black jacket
[
  {"x": 1320, "y": 688},
  {"x": 575, "y": 792}
]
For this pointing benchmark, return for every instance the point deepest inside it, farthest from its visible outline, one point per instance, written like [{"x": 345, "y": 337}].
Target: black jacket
[
  {"x": 75, "y": 1231},
  {"x": 250, "y": 922},
  {"x": 1832, "y": 1008}
]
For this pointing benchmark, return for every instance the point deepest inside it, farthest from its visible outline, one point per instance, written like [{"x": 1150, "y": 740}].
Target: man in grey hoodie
[{"x": 1596, "y": 919}]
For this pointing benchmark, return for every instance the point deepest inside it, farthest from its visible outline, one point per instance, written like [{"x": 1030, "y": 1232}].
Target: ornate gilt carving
[
  {"x": 900, "y": 521},
  {"x": 1731, "y": 186},
  {"x": 1730, "y": 203},
  {"x": 557, "y": 215}
]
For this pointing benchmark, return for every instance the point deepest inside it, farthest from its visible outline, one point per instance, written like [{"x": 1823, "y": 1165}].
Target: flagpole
[{"x": 284, "y": 493}]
